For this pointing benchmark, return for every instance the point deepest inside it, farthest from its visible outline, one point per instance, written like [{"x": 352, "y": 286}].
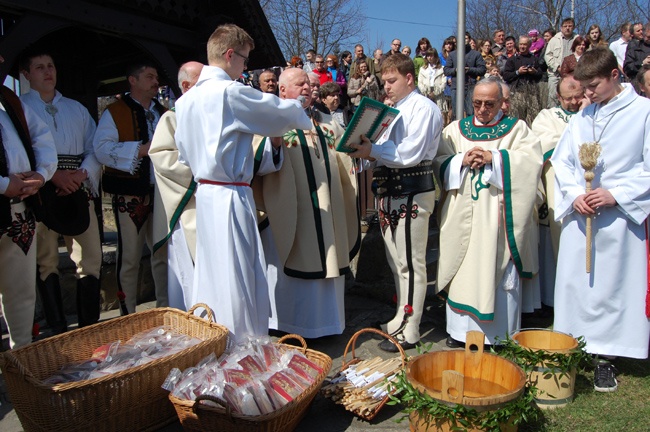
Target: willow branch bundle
[
  {"x": 361, "y": 387},
  {"x": 588, "y": 155}
]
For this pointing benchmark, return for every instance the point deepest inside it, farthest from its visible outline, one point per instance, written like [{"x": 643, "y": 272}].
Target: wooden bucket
[
  {"x": 555, "y": 387},
  {"x": 477, "y": 380}
]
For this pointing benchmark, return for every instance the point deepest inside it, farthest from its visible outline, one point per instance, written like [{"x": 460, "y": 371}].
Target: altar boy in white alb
[
  {"x": 216, "y": 121},
  {"x": 608, "y": 306}
]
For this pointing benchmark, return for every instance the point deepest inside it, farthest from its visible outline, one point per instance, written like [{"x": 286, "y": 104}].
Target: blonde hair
[{"x": 227, "y": 36}]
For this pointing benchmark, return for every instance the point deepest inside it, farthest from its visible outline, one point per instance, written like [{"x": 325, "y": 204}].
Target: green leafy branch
[
  {"x": 460, "y": 417},
  {"x": 555, "y": 362}
]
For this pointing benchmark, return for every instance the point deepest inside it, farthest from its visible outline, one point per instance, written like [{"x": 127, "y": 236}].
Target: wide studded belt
[{"x": 404, "y": 181}]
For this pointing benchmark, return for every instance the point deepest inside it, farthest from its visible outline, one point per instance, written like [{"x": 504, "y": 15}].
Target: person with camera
[
  {"x": 362, "y": 83},
  {"x": 522, "y": 68}
]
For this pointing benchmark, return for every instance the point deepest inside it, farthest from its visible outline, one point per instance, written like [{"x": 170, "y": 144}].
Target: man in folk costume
[
  {"x": 174, "y": 214},
  {"x": 217, "y": 119},
  {"x": 548, "y": 126},
  {"x": 122, "y": 144},
  {"x": 610, "y": 306},
  {"x": 489, "y": 167},
  {"x": 312, "y": 231},
  {"x": 27, "y": 160},
  {"x": 404, "y": 177},
  {"x": 73, "y": 130}
]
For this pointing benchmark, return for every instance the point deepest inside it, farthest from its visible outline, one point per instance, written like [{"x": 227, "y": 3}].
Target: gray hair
[{"x": 492, "y": 80}]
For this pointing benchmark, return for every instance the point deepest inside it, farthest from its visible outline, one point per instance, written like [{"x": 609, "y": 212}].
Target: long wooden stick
[
  {"x": 588, "y": 154},
  {"x": 588, "y": 232}
]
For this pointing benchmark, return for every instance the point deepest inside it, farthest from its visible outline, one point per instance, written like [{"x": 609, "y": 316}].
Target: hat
[
  {"x": 67, "y": 214},
  {"x": 533, "y": 32}
]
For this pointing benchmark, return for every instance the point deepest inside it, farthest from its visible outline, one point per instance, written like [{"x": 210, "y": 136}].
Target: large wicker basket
[
  {"x": 130, "y": 400},
  {"x": 198, "y": 417}
]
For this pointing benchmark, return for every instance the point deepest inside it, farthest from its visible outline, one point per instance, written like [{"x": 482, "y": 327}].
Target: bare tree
[
  {"x": 518, "y": 16},
  {"x": 322, "y": 25}
]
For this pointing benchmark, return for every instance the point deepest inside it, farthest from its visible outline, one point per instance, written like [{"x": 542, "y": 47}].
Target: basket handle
[
  {"x": 208, "y": 311},
  {"x": 353, "y": 341},
  {"x": 218, "y": 401},
  {"x": 8, "y": 360},
  {"x": 299, "y": 338}
]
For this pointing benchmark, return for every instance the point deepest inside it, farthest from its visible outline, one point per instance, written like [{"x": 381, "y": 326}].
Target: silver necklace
[{"x": 52, "y": 110}]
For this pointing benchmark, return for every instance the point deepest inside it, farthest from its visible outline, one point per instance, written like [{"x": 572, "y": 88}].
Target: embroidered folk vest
[
  {"x": 131, "y": 123},
  {"x": 14, "y": 109}
]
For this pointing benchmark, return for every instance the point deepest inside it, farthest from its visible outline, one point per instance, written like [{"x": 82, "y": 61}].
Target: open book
[{"x": 371, "y": 119}]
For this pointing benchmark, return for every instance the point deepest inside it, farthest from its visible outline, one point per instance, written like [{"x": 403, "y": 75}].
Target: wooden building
[{"x": 93, "y": 41}]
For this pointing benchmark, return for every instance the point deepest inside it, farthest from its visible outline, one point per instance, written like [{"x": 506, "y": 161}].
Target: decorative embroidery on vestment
[
  {"x": 478, "y": 185},
  {"x": 329, "y": 136},
  {"x": 565, "y": 116},
  {"x": 291, "y": 138},
  {"x": 136, "y": 208},
  {"x": 486, "y": 133},
  {"x": 21, "y": 231}
]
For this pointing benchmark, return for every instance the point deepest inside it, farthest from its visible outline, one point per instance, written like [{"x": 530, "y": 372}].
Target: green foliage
[
  {"x": 553, "y": 361},
  {"x": 460, "y": 417}
]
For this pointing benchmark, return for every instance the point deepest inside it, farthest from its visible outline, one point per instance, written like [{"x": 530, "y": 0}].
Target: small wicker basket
[
  {"x": 354, "y": 360},
  {"x": 197, "y": 417},
  {"x": 129, "y": 400}
]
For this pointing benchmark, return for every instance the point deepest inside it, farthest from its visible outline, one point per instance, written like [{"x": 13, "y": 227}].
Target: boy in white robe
[
  {"x": 608, "y": 306},
  {"x": 216, "y": 121}
]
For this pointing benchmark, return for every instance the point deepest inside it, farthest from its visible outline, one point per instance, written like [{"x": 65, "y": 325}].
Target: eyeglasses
[
  {"x": 319, "y": 62},
  {"x": 242, "y": 56},
  {"x": 488, "y": 104}
]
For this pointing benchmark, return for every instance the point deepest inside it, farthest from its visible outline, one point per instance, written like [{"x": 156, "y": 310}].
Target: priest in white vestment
[
  {"x": 488, "y": 165},
  {"x": 548, "y": 126},
  {"x": 608, "y": 306},
  {"x": 174, "y": 211},
  {"x": 216, "y": 121},
  {"x": 312, "y": 214}
]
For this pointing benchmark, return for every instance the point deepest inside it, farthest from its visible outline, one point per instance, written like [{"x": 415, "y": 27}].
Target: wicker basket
[
  {"x": 198, "y": 417},
  {"x": 354, "y": 360},
  {"x": 130, "y": 400}
]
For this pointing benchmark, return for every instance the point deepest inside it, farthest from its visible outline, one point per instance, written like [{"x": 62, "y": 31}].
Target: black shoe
[
  {"x": 453, "y": 343},
  {"x": 605, "y": 377},
  {"x": 388, "y": 346}
]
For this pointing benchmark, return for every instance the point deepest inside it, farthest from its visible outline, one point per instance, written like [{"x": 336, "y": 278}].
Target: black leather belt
[{"x": 404, "y": 181}]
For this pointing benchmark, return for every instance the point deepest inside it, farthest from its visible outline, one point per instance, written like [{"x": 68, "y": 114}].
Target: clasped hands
[
  {"x": 477, "y": 157},
  {"x": 68, "y": 181},
  {"x": 586, "y": 204},
  {"x": 24, "y": 184}
]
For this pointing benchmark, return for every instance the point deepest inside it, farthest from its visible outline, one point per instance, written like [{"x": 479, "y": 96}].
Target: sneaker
[{"x": 605, "y": 377}]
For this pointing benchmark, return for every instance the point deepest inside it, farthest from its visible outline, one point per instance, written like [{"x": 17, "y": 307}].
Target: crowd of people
[{"x": 248, "y": 207}]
